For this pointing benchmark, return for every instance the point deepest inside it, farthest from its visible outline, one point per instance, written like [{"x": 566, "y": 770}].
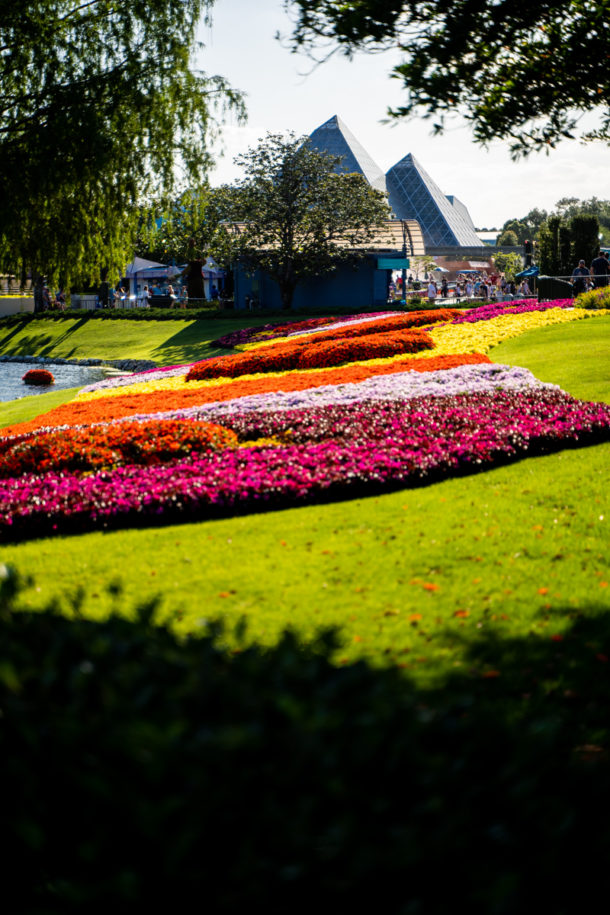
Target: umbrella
[{"x": 529, "y": 271}]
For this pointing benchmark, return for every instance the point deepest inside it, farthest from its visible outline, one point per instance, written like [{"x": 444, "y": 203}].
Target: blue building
[{"x": 356, "y": 284}]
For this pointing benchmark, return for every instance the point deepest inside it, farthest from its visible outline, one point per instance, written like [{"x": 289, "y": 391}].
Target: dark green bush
[{"x": 140, "y": 772}]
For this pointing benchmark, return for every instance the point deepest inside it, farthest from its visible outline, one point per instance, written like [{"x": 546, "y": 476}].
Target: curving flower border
[{"x": 158, "y": 448}]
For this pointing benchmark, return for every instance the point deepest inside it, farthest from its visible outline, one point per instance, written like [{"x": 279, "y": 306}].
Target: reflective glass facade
[
  {"x": 414, "y": 195},
  {"x": 335, "y": 138},
  {"x": 444, "y": 220}
]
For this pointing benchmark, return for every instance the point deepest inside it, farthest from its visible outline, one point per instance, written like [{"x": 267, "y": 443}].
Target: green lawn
[
  {"x": 408, "y": 576},
  {"x": 166, "y": 342},
  {"x": 575, "y": 356}
]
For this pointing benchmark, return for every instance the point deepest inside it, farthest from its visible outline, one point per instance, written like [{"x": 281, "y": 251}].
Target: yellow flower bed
[
  {"x": 480, "y": 337},
  {"x": 449, "y": 339}
]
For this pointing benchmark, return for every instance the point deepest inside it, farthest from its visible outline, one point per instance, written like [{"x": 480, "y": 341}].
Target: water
[{"x": 66, "y": 376}]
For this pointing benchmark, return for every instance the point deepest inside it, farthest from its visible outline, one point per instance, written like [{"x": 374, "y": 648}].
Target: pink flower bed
[{"x": 332, "y": 451}]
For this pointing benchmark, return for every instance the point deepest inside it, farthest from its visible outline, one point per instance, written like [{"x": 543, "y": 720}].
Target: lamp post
[{"x": 405, "y": 234}]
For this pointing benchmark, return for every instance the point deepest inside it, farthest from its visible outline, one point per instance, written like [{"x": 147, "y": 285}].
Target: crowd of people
[{"x": 480, "y": 286}]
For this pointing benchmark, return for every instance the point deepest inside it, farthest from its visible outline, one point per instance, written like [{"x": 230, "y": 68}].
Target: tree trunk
[
  {"x": 287, "y": 285},
  {"x": 195, "y": 280},
  {"x": 287, "y": 293}
]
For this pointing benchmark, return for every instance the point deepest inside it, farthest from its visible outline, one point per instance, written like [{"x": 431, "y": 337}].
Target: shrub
[
  {"x": 38, "y": 377},
  {"x": 140, "y": 771},
  {"x": 595, "y": 298}
]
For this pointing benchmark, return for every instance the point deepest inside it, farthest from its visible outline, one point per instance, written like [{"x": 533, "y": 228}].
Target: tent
[
  {"x": 142, "y": 271},
  {"x": 140, "y": 263}
]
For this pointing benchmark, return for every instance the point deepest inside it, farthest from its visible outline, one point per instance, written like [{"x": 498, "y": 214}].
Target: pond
[{"x": 66, "y": 376}]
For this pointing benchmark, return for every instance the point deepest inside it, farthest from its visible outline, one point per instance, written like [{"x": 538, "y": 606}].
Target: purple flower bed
[
  {"x": 333, "y": 451},
  {"x": 464, "y": 379}
]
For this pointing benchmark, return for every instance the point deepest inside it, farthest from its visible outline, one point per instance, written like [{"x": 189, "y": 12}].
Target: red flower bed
[
  {"x": 381, "y": 326},
  {"x": 117, "y": 407},
  {"x": 38, "y": 377},
  {"x": 104, "y": 447},
  {"x": 310, "y": 354}
]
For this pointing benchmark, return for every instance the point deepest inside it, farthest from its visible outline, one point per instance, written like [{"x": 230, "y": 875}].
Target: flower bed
[
  {"x": 495, "y": 309},
  {"x": 347, "y": 451},
  {"x": 344, "y": 330},
  {"x": 343, "y": 416},
  {"x": 106, "y": 446},
  {"x": 282, "y": 329},
  {"x": 306, "y": 354}
]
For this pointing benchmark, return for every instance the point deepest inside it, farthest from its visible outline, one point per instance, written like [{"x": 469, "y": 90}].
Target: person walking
[
  {"x": 432, "y": 292},
  {"x": 600, "y": 268},
  {"x": 580, "y": 277},
  {"x": 142, "y": 300}
]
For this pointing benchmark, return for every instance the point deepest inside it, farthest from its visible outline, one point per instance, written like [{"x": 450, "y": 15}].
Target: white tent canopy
[{"x": 140, "y": 263}]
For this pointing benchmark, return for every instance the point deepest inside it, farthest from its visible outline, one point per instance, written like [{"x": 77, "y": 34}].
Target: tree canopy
[
  {"x": 170, "y": 230},
  {"x": 529, "y": 226},
  {"x": 522, "y": 71},
  {"x": 562, "y": 242},
  {"x": 297, "y": 216},
  {"x": 99, "y": 107}
]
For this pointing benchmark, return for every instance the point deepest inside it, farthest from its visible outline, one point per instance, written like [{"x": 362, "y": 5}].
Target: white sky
[{"x": 283, "y": 93}]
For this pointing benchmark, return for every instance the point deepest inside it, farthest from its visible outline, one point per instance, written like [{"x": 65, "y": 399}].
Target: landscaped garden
[{"x": 402, "y": 478}]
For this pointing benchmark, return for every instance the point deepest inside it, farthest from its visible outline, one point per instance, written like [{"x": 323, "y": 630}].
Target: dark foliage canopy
[
  {"x": 141, "y": 770},
  {"x": 522, "y": 71}
]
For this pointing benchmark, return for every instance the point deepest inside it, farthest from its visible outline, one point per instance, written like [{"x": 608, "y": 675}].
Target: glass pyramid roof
[
  {"x": 462, "y": 210},
  {"x": 335, "y": 138},
  {"x": 414, "y": 195}
]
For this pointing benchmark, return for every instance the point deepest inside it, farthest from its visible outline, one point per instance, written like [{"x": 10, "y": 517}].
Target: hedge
[{"x": 141, "y": 772}]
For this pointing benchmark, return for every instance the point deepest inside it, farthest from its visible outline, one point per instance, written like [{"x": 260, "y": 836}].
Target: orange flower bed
[
  {"x": 102, "y": 447},
  {"x": 95, "y": 411},
  {"x": 311, "y": 354}
]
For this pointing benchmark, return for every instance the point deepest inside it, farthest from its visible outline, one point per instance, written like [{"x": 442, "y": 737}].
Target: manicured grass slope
[
  {"x": 575, "y": 356},
  {"x": 166, "y": 342},
  {"x": 407, "y": 575},
  {"x": 18, "y": 411}
]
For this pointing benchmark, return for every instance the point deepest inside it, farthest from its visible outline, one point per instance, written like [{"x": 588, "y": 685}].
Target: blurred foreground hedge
[{"x": 139, "y": 772}]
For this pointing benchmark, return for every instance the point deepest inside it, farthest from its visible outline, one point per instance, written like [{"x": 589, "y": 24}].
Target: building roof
[
  {"x": 335, "y": 138},
  {"x": 388, "y": 238},
  {"x": 462, "y": 209}
]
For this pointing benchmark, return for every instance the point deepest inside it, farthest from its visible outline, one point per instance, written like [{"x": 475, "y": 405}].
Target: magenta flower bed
[
  {"x": 495, "y": 309},
  {"x": 333, "y": 451}
]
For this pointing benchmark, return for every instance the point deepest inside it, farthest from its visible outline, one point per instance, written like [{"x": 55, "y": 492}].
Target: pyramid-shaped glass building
[
  {"x": 335, "y": 138},
  {"x": 444, "y": 220},
  {"x": 414, "y": 195}
]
